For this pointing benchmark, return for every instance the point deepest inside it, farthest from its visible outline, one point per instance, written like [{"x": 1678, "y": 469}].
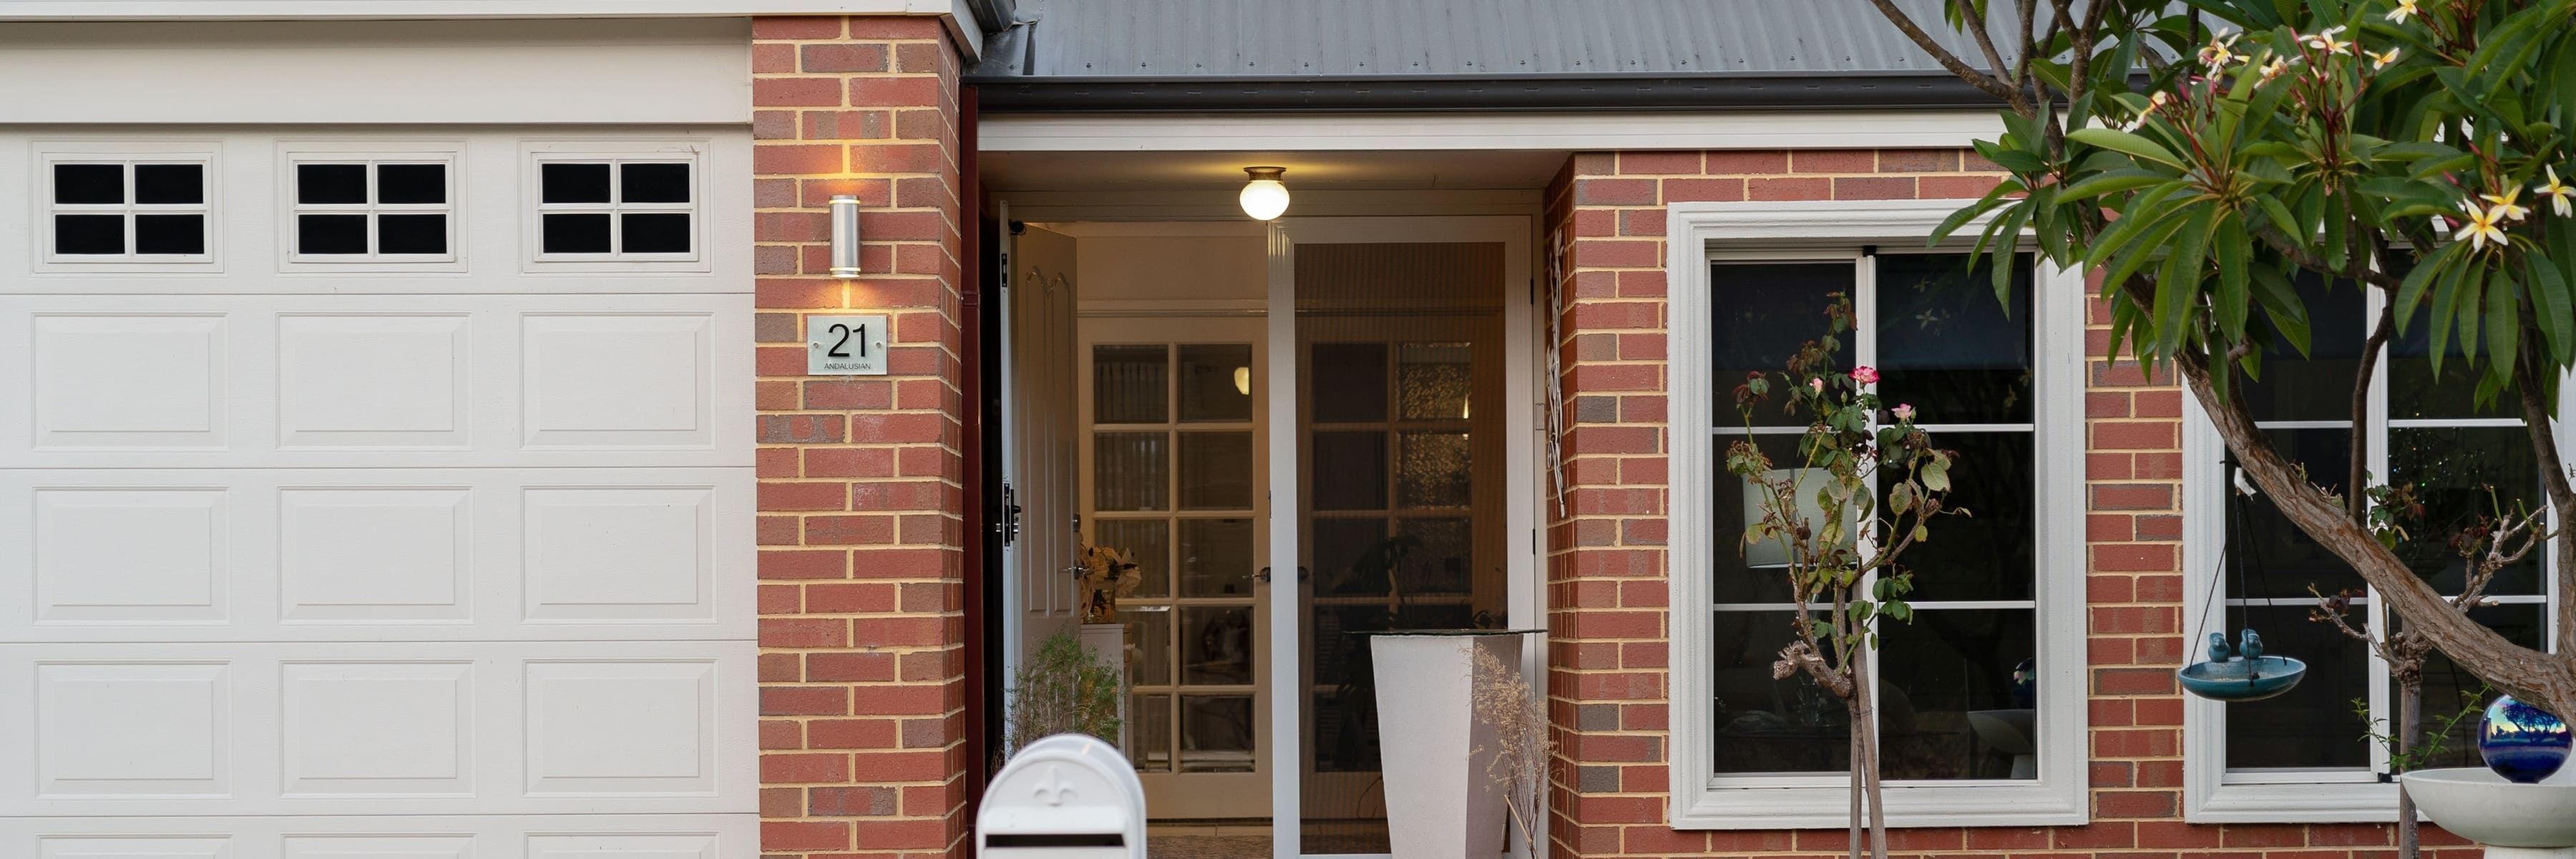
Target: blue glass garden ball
[{"x": 2521, "y": 742}]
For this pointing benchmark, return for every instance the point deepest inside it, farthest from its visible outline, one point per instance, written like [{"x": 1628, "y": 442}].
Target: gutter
[{"x": 1627, "y": 91}]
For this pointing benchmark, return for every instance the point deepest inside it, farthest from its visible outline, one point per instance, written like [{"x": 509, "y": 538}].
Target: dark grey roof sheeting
[{"x": 1477, "y": 38}]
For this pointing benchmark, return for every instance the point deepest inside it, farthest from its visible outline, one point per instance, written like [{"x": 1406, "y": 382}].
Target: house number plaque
[{"x": 846, "y": 345}]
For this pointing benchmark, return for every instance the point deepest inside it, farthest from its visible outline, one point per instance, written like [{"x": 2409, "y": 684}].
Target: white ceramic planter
[
  {"x": 2513, "y": 821},
  {"x": 1440, "y": 801}
]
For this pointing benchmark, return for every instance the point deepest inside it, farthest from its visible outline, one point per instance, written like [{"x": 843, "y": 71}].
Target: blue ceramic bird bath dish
[{"x": 2242, "y": 679}]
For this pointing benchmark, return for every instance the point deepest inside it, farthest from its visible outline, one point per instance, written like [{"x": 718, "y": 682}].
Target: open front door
[{"x": 1039, "y": 454}]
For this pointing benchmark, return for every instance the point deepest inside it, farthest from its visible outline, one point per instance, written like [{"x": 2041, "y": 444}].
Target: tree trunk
[
  {"x": 1865, "y": 728},
  {"x": 2546, "y": 680},
  {"x": 1852, "y": 714},
  {"x": 2410, "y": 715}
]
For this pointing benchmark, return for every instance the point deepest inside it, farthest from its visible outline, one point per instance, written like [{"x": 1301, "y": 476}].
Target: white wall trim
[
  {"x": 1566, "y": 130},
  {"x": 1701, "y": 799}
]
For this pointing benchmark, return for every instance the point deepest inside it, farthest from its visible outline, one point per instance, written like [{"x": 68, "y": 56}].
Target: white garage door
[{"x": 376, "y": 494}]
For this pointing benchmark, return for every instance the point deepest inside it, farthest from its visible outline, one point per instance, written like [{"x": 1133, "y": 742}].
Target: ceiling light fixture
[{"x": 1264, "y": 197}]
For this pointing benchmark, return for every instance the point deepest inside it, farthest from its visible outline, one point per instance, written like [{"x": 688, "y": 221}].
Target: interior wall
[{"x": 1171, "y": 268}]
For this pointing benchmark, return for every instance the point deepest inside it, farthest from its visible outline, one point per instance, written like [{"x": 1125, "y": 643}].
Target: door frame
[{"x": 1523, "y": 404}]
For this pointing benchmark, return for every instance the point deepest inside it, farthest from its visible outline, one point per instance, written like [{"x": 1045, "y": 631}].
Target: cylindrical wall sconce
[{"x": 845, "y": 235}]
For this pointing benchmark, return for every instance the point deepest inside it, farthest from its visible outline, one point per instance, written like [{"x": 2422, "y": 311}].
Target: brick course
[
  {"x": 862, "y": 664},
  {"x": 1606, "y": 567}
]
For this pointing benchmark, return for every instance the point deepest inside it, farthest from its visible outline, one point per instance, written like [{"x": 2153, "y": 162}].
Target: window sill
[
  {"x": 1986, "y": 803},
  {"x": 2306, "y": 802}
]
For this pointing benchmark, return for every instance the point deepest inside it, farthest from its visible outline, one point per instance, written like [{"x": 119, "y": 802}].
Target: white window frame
[
  {"x": 1699, "y": 233},
  {"x": 292, "y": 153},
  {"x": 127, "y": 154},
  {"x": 2211, "y": 794},
  {"x": 534, "y": 208}
]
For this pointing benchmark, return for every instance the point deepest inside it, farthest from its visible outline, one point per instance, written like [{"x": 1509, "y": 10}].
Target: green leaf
[
  {"x": 2281, "y": 303},
  {"x": 2125, "y": 143},
  {"x": 2111, "y": 183},
  {"x": 2552, "y": 308},
  {"x": 2503, "y": 323},
  {"x": 2280, "y": 217},
  {"x": 2232, "y": 302},
  {"x": 2410, "y": 292}
]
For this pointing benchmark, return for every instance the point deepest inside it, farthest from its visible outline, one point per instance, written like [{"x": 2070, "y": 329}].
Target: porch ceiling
[{"x": 1178, "y": 171}]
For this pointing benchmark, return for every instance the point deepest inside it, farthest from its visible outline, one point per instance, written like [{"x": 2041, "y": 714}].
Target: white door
[
  {"x": 375, "y": 493},
  {"x": 1041, "y": 471}
]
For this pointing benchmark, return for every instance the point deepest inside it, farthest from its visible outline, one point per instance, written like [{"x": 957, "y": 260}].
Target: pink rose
[
  {"x": 1904, "y": 411},
  {"x": 1816, "y": 385},
  {"x": 1865, "y": 375}
]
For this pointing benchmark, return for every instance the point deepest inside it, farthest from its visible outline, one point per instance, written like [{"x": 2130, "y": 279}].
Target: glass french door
[
  {"x": 1403, "y": 490},
  {"x": 1171, "y": 415}
]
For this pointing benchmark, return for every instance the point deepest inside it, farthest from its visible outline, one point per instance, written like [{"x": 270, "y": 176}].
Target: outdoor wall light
[
  {"x": 845, "y": 235},
  {"x": 1264, "y": 197}
]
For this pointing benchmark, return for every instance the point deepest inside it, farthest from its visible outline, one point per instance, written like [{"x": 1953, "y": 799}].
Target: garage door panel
[
  {"x": 372, "y": 728},
  {"x": 691, "y": 836},
  {"x": 356, "y": 381},
  {"x": 378, "y": 554}
]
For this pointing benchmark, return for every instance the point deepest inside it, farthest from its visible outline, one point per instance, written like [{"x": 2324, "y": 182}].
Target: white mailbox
[{"x": 1069, "y": 796}]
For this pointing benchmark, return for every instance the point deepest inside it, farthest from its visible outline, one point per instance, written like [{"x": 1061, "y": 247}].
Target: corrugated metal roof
[{"x": 1391, "y": 38}]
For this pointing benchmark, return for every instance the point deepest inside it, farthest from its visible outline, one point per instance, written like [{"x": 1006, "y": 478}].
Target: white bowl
[{"x": 2477, "y": 804}]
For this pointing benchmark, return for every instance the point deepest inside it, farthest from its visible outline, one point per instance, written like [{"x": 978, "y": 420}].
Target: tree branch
[
  {"x": 2536, "y": 415},
  {"x": 1905, "y": 24}
]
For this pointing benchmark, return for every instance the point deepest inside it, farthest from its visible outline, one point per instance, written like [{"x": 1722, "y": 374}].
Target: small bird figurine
[
  {"x": 2250, "y": 645},
  {"x": 2218, "y": 650}
]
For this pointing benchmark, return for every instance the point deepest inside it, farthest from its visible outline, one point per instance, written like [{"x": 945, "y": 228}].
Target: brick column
[{"x": 862, "y": 664}]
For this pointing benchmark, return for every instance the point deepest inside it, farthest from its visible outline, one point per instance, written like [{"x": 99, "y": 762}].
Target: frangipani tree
[{"x": 2197, "y": 162}]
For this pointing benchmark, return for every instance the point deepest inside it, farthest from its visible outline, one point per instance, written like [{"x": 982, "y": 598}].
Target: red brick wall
[
  {"x": 862, "y": 635},
  {"x": 1607, "y": 568}
]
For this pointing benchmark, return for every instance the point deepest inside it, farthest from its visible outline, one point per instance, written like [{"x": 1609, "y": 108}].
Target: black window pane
[
  {"x": 411, "y": 234},
  {"x": 1350, "y": 559},
  {"x": 411, "y": 183},
  {"x": 2317, "y": 386},
  {"x": 1350, "y": 382},
  {"x": 89, "y": 234},
  {"x": 1762, "y": 313},
  {"x": 331, "y": 234},
  {"x": 169, "y": 184},
  {"x": 576, "y": 234},
  {"x": 1765, "y": 725},
  {"x": 2273, "y": 556},
  {"x": 1959, "y": 695},
  {"x": 573, "y": 183},
  {"x": 656, "y": 233},
  {"x": 1988, "y": 554},
  {"x": 89, "y": 183},
  {"x": 169, "y": 234},
  {"x": 2415, "y": 390},
  {"x": 1945, "y": 345},
  {"x": 1350, "y": 470},
  {"x": 1741, "y": 573},
  {"x": 653, "y": 183},
  {"x": 2313, "y": 724},
  {"x": 330, "y": 184},
  {"x": 2462, "y": 474},
  {"x": 2448, "y": 688}
]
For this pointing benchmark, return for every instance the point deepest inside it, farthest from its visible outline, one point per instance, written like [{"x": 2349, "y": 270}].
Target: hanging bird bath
[{"x": 2242, "y": 673}]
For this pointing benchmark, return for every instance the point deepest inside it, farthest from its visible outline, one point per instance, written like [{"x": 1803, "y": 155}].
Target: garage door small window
[
  {"x": 642, "y": 208},
  {"x": 374, "y": 210},
  {"x": 126, "y": 210}
]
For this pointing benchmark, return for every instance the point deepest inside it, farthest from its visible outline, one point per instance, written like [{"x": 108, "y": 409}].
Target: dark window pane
[
  {"x": 1127, "y": 384},
  {"x": 2416, "y": 391},
  {"x": 2273, "y": 556},
  {"x": 1945, "y": 345},
  {"x": 576, "y": 234},
  {"x": 411, "y": 183},
  {"x": 2461, "y": 475},
  {"x": 169, "y": 234},
  {"x": 89, "y": 234},
  {"x": 170, "y": 183},
  {"x": 1435, "y": 381},
  {"x": 1216, "y": 471},
  {"x": 1350, "y": 382},
  {"x": 1434, "y": 469},
  {"x": 1765, "y": 725},
  {"x": 1742, "y": 574},
  {"x": 573, "y": 183},
  {"x": 657, "y": 234},
  {"x": 2448, "y": 688},
  {"x": 1959, "y": 695},
  {"x": 1216, "y": 382},
  {"x": 1216, "y": 557},
  {"x": 330, "y": 183},
  {"x": 1350, "y": 559},
  {"x": 331, "y": 234},
  {"x": 89, "y": 183},
  {"x": 1762, "y": 313},
  {"x": 2317, "y": 386},
  {"x": 1438, "y": 556},
  {"x": 411, "y": 234},
  {"x": 1216, "y": 645},
  {"x": 1350, "y": 470},
  {"x": 653, "y": 183},
  {"x": 2313, "y": 724},
  {"x": 1129, "y": 471},
  {"x": 1989, "y": 554}
]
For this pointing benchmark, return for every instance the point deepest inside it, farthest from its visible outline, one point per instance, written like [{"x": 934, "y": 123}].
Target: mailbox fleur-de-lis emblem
[{"x": 1054, "y": 791}]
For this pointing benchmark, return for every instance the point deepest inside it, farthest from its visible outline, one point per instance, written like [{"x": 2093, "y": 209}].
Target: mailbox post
[{"x": 1069, "y": 796}]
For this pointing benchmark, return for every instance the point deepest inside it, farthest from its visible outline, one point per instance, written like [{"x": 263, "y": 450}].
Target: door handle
[{"x": 1264, "y": 575}]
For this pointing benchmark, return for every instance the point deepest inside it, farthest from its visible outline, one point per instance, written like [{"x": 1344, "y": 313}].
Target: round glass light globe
[{"x": 1264, "y": 199}]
